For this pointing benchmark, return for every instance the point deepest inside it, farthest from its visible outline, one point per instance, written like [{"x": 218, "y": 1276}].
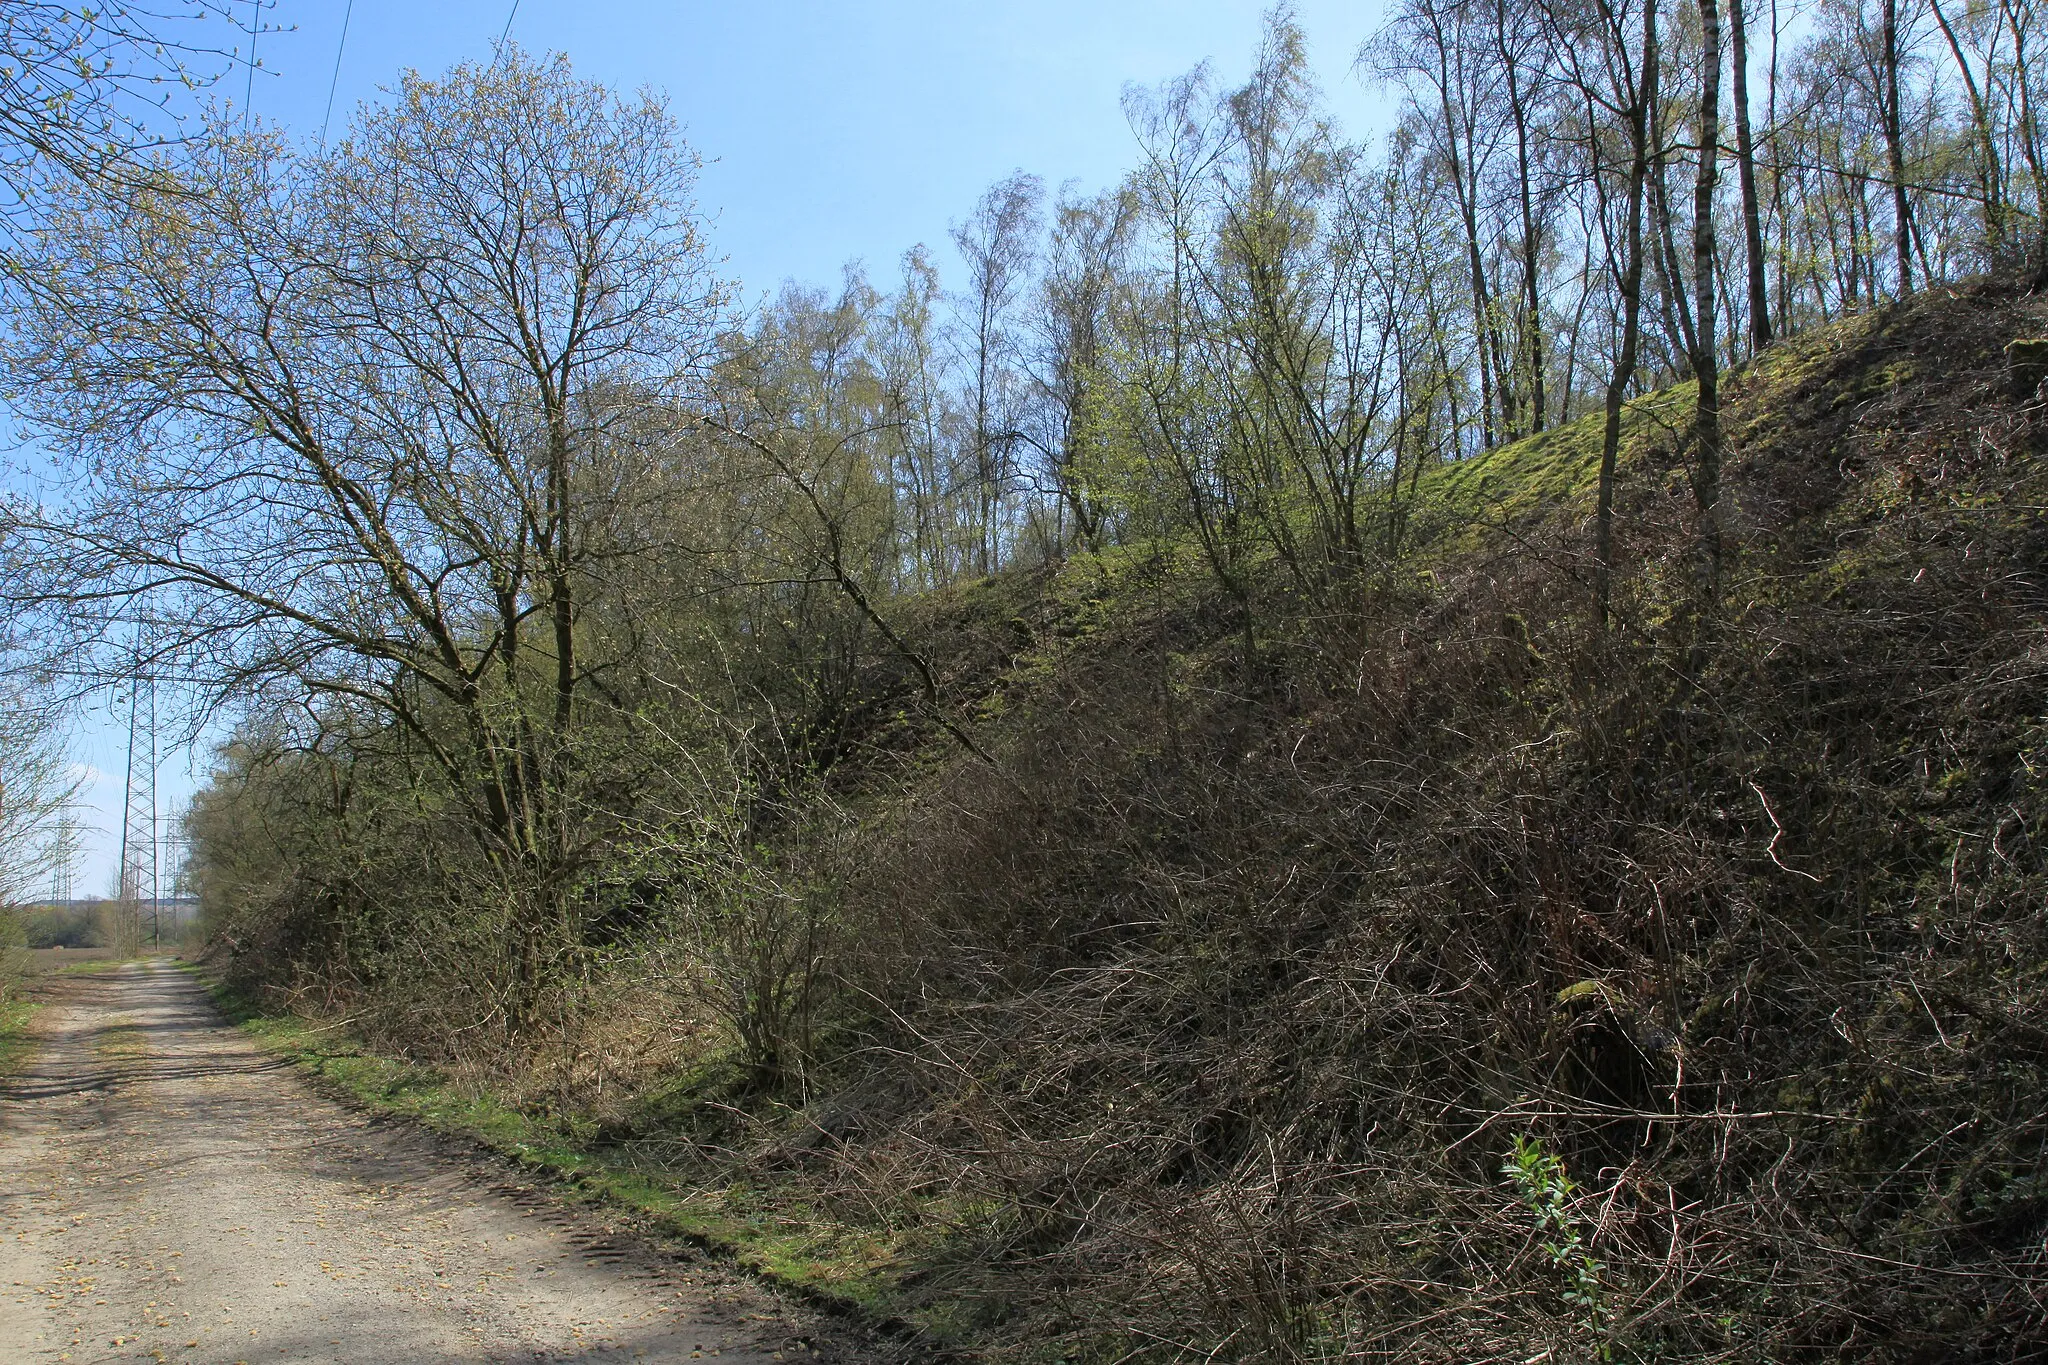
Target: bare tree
[
  {"x": 920, "y": 422},
  {"x": 1991, "y": 177},
  {"x": 998, "y": 242},
  {"x": 36, "y": 787},
  {"x": 1515, "y": 38},
  {"x": 1434, "y": 44},
  {"x": 2023, "y": 96},
  {"x": 1624, "y": 84},
  {"x": 1304, "y": 367},
  {"x": 352, "y": 426}
]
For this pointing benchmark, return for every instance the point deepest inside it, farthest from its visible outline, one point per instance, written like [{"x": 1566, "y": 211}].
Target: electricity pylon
[
  {"x": 138, "y": 807},
  {"x": 63, "y": 854},
  {"x": 175, "y": 863}
]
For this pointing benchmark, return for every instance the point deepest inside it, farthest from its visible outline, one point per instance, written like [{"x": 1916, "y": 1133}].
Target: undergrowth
[{"x": 1414, "y": 970}]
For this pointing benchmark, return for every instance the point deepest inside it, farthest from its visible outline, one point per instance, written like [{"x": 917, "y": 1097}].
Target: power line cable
[
  {"x": 249, "y": 86},
  {"x": 508, "y": 23},
  {"x": 335, "y": 80}
]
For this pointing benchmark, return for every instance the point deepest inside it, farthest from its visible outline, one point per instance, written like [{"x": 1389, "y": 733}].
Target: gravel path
[{"x": 170, "y": 1192}]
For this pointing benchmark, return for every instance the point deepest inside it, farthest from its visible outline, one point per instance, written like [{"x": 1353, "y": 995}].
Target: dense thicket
[
  {"x": 1232, "y": 783},
  {"x": 1487, "y": 984}
]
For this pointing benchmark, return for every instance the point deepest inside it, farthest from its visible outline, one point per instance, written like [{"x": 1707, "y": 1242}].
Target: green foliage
[
  {"x": 14, "y": 960},
  {"x": 60, "y": 927},
  {"x": 1539, "y": 1179},
  {"x": 15, "y": 1014}
]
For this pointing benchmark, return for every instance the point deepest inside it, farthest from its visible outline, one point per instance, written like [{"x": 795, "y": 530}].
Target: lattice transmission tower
[
  {"x": 63, "y": 857},
  {"x": 174, "y": 867},
  {"x": 138, "y": 809}
]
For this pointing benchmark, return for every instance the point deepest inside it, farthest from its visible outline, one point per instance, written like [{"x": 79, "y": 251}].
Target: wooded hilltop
[{"x": 1426, "y": 751}]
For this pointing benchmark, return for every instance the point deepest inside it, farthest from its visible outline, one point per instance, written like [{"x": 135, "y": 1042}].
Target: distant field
[{"x": 48, "y": 959}]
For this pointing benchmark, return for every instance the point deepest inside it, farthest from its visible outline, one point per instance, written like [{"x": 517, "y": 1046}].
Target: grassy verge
[
  {"x": 14, "y": 1036},
  {"x": 771, "y": 1233},
  {"x": 98, "y": 966},
  {"x": 18, "y": 1004}
]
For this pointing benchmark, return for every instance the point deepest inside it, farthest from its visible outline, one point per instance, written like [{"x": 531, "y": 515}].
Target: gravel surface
[{"x": 168, "y": 1191}]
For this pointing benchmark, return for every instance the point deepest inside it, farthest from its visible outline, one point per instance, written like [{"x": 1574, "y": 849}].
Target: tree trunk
[
  {"x": 1990, "y": 176},
  {"x": 1630, "y": 285},
  {"x": 1706, "y": 482},
  {"x": 1468, "y": 214},
  {"x": 2030, "y": 136},
  {"x": 1678, "y": 321},
  {"x": 1894, "y": 147},
  {"x": 1745, "y": 167},
  {"x": 1530, "y": 342}
]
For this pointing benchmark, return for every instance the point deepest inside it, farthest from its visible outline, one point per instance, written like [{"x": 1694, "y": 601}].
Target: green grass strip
[{"x": 15, "y": 1042}]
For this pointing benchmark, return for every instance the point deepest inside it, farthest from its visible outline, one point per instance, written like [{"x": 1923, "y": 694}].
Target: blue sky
[
  {"x": 831, "y": 132},
  {"x": 834, "y": 130}
]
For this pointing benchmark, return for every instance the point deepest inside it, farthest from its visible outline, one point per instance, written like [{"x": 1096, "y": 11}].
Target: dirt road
[{"x": 169, "y": 1192}]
